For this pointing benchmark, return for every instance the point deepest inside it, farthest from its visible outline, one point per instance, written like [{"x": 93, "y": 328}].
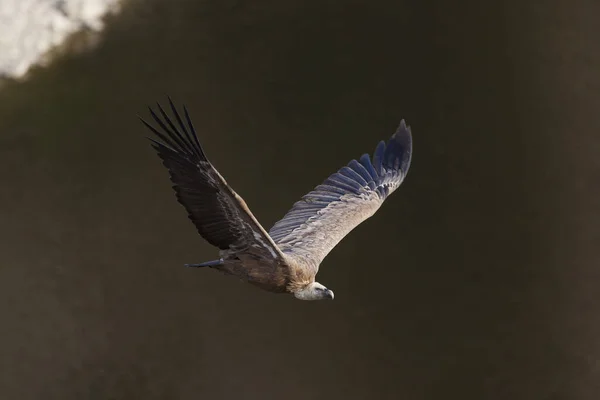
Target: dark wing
[
  {"x": 317, "y": 223},
  {"x": 220, "y": 215}
]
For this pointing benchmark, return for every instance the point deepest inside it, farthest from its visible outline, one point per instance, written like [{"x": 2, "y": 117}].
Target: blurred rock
[{"x": 29, "y": 29}]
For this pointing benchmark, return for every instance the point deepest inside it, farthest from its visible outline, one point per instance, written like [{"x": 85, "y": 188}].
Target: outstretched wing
[
  {"x": 317, "y": 223},
  {"x": 220, "y": 215}
]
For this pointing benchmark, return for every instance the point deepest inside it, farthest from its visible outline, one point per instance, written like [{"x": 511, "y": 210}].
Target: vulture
[{"x": 285, "y": 259}]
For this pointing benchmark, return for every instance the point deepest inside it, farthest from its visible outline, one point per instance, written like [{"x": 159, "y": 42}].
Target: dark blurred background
[{"x": 476, "y": 280}]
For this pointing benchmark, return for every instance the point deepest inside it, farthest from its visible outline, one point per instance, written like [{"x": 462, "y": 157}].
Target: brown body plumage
[
  {"x": 278, "y": 276},
  {"x": 287, "y": 258}
]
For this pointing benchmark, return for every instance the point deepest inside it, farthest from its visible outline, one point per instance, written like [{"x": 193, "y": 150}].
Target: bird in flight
[{"x": 286, "y": 259}]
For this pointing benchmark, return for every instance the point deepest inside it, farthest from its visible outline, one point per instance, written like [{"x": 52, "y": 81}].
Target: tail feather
[{"x": 213, "y": 263}]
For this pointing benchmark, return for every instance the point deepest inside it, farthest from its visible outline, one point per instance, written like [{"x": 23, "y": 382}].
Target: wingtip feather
[
  {"x": 378, "y": 157},
  {"x": 400, "y": 147},
  {"x": 179, "y": 136}
]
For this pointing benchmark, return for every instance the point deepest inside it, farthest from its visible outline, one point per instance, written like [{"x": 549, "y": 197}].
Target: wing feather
[
  {"x": 365, "y": 161},
  {"x": 220, "y": 215},
  {"x": 316, "y": 224}
]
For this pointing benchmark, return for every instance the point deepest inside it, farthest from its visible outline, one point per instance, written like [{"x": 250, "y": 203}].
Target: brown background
[{"x": 477, "y": 280}]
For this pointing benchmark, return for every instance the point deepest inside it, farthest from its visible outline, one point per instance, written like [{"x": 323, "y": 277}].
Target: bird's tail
[{"x": 213, "y": 263}]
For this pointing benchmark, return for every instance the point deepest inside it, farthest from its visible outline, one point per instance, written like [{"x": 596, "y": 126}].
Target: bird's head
[{"x": 314, "y": 291}]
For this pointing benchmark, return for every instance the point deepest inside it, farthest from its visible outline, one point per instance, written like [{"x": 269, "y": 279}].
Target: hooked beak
[{"x": 329, "y": 294}]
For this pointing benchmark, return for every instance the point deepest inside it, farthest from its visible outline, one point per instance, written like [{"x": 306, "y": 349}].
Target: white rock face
[{"x": 30, "y": 28}]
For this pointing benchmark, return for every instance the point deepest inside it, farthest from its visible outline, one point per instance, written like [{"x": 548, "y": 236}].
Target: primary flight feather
[{"x": 286, "y": 259}]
